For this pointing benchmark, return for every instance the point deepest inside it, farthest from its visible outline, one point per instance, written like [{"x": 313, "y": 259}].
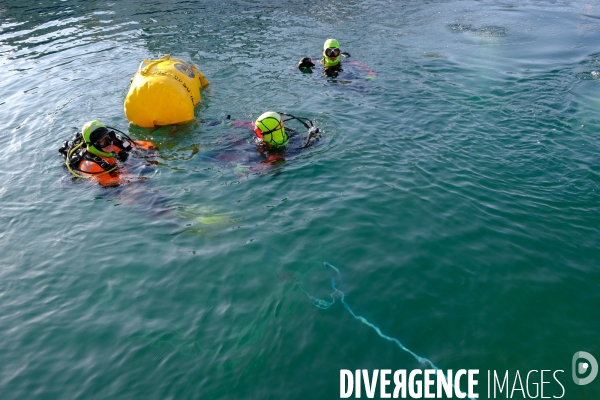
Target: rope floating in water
[{"x": 323, "y": 304}]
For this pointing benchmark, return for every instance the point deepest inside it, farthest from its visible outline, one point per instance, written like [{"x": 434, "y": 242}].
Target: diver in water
[
  {"x": 96, "y": 152},
  {"x": 272, "y": 137},
  {"x": 332, "y": 61},
  {"x": 271, "y": 145},
  {"x": 332, "y": 57}
]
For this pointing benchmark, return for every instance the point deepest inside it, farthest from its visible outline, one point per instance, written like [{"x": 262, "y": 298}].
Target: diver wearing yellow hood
[
  {"x": 272, "y": 136},
  {"x": 332, "y": 57},
  {"x": 97, "y": 152},
  {"x": 332, "y": 54}
]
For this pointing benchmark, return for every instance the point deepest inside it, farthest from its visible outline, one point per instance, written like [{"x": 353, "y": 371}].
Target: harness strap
[
  {"x": 300, "y": 119},
  {"x": 95, "y": 159}
]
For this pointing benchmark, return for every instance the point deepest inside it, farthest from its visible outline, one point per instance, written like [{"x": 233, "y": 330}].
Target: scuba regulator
[{"x": 313, "y": 132}]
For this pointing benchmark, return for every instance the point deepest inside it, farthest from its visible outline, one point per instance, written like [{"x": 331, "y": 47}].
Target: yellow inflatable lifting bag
[{"x": 164, "y": 92}]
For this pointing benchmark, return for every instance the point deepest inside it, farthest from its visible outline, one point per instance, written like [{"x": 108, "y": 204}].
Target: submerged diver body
[
  {"x": 272, "y": 144},
  {"x": 332, "y": 63},
  {"x": 98, "y": 153},
  {"x": 273, "y": 138}
]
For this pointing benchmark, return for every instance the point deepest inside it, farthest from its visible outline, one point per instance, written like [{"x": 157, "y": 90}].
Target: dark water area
[{"x": 456, "y": 190}]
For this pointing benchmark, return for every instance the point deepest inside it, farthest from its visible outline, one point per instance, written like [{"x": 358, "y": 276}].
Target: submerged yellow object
[{"x": 164, "y": 92}]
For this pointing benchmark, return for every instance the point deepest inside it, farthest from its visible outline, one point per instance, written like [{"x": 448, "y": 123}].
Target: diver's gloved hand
[
  {"x": 345, "y": 54},
  {"x": 313, "y": 134},
  {"x": 64, "y": 149},
  {"x": 306, "y": 64},
  {"x": 313, "y": 131},
  {"x": 122, "y": 156},
  {"x": 125, "y": 145}
]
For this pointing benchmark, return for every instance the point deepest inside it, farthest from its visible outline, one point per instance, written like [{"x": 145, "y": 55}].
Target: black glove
[
  {"x": 122, "y": 156},
  {"x": 306, "y": 64},
  {"x": 64, "y": 149}
]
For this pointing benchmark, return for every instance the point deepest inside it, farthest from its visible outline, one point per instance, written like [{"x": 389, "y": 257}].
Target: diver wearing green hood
[
  {"x": 272, "y": 135},
  {"x": 332, "y": 57}
]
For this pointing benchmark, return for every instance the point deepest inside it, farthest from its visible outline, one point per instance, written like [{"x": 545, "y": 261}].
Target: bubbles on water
[
  {"x": 484, "y": 31},
  {"x": 492, "y": 31},
  {"x": 586, "y": 76},
  {"x": 434, "y": 55},
  {"x": 458, "y": 27},
  {"x": 588, "y": 69}
]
